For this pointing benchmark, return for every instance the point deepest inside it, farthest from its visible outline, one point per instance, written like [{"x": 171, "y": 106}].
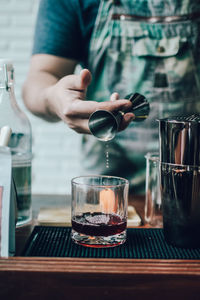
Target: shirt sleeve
[{"x": 57, "y": 30}]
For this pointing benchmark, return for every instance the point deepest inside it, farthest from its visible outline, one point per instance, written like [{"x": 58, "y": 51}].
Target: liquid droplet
[{"x": 107, "y": 156}]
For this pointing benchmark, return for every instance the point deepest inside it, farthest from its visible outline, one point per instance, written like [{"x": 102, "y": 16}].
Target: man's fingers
[
  {"x": 77, "y": 82},
  {"x": 78, "y": 124},
  {"x": 86, "y": 78},
  {"x": 84, "y": 109},
  {"x": 114, "y": 97},
  {"x": 126, "y": 120},
  {"x": 115, "y": 105}
]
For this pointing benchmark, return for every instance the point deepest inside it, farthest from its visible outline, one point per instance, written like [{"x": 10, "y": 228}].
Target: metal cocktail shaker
[
  {"x": 179, "y": 139},
  {"x": 104, "y": 124}
]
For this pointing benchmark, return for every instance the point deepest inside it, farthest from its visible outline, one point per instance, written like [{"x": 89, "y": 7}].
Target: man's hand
[{"x": 66, "y": 99}]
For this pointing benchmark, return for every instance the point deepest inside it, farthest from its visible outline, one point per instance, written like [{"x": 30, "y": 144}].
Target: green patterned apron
[{"x": 157, "y": 58}]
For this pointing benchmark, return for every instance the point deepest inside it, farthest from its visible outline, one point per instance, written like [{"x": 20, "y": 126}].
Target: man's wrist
[{"x": 49, "y": 100}]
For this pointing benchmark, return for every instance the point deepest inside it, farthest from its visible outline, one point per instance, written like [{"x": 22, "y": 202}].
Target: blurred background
[{"x": 55, "y": 146}]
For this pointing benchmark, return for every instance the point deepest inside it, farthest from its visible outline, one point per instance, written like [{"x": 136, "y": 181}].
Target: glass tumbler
[
  {"x": 99, "y": 210},
  {"x": 153, "y": 207}
]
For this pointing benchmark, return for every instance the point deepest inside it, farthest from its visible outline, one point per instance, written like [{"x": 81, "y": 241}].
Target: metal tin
[{"x": 179, "y": 139}]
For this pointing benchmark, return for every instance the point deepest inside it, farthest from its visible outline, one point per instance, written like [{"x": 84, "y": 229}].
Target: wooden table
[{"x": 78, "y": 278}]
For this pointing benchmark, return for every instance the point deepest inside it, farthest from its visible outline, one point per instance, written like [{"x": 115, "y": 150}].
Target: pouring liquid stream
[{"x": 107, "y": 155}]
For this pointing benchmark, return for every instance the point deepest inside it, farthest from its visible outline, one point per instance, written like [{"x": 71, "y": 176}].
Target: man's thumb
[{"x": 86, "y": 78}]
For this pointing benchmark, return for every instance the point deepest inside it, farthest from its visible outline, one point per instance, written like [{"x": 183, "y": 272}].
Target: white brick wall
[{"x": 55, "y": 146}]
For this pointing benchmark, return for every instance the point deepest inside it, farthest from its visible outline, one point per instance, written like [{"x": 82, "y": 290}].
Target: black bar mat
[{"x": 141, "y": 244}]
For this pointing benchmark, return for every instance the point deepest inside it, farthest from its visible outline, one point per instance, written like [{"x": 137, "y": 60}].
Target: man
[{"x": 123, "y": 46}]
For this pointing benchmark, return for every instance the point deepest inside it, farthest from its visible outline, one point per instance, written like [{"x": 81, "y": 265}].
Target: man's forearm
[
  {"x": 45, "y": 71},
  {"x": 36, "y": 90}
]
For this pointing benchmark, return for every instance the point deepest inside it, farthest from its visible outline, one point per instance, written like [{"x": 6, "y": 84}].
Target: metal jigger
[{"x": 104, "y": 124}]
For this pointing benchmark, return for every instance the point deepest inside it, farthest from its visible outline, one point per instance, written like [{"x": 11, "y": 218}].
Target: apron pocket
[
  {"x": 165, "y": 47},
  {"x": 146, "y": 65}
]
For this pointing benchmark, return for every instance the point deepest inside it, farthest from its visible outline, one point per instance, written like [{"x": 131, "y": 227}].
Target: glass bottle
[{"x": 20, "y": 142}]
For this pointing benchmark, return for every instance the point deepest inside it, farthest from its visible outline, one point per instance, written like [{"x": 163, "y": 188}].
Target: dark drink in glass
[
  {"x": 99, "y": 210},
  {"x": 98, "y": 224}
]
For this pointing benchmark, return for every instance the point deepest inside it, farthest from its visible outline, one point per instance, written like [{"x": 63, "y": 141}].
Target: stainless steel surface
[
  {"x": 180, "y": 179},
  {"x": 180, "y": 140},
  {"x": 180, "y": 194},
  {"x": 104, "y": 124}
]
